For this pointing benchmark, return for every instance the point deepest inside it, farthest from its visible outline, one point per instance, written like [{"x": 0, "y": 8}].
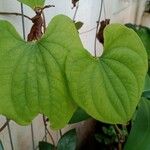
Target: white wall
[
  {"x": 146, "y": 20},
  {"x": 122, "y": 11}
]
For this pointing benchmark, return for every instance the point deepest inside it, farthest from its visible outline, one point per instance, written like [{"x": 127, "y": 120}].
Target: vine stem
[
  {"x": 47, "y": 131},
  {"x": 76, "y": 10},
  {"x": 45, "y": 126},
  {"x": 16, "y": 14},
  {"x": 4, "y": 125},
  {"x": 44, "y": 22},
  {"x": 97, "y": 26},
  {"x": 23, "y": 21},
  {"x": 117, "y": 129},
  {"x": 47, "y": 6},
  {"x": 88, "y": 30},
  {"x": 51, "y": 137},
  {"x": 10, "y": 136},
  {"x": 104, "y": 10},
  {"x": 60, "y": 133},
  {"x": 119, "y": 134},
  {"x": 43, "y": 15}
]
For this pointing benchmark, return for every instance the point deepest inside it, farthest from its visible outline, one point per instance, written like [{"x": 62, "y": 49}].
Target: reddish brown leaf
[
  {"x": 74, "y": 2},
  {"x": 99, "y": 35},
  {"x": 36, "y": 30}
]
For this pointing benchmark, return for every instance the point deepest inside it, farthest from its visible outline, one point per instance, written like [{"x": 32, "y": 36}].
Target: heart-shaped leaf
[
  {"x": 32, "y": 77},
  {"x": 33, "y": 3},
  {"x": 109, "y": 87},
  {"x": 139, "y": 136}
]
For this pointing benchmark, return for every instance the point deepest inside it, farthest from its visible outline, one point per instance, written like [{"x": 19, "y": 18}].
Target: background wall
[{"x": 121, "y": 11}]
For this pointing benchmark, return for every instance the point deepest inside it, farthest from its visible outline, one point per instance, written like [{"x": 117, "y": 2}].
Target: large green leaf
[
  {"x": 68, "y": 141},
  {"x": 32, "y": 77},
  {"x": 33, "y": 3},
  {"x": 139, "y": 137},
  {"x": 109, "y": 87}
]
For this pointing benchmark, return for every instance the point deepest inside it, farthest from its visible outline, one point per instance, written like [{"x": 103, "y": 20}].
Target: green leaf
[
  {"x": 68, "y": 141},
  {"x": 46, "y": 146},
  {"x": 32, "y": 77},
  {"x": 109, "y": 87},
  {"x": 146, "y": 91},
  {"x": 78, "y": 116},
  {"x": 1, "y": 145},
  {"x": 144, "y": 34},
  {"x": 33, "y": 3},
  {"x": 139, "y": 136},
  {"x": 147, "y": 83}
]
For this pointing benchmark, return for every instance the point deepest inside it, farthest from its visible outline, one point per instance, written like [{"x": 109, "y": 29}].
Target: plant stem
[
  {"x": 104, "y": 10},
  {"x": 88, "y": 30},
  {"x": 44, "y": 22},
  {"x": 120, "y": 135},
  {"x": 97, "y": 26},
  {"x": 4, "y": 125},
  {"x": 17, "y": 14},
  {"x": 47, "y": 6},
  {"x": 23, "y": 21},
  {"x": 119, "y": 146},
  {"x": 32, "y": 135},
  {"x": 51, "y": 137},
  {"x": 45, "y": 126},
  {"x": 76, "y": 10},
  {"x": 10, "y": 136},
  {"x": 118, "y": 130},
  {"x": 47, "y": 131},
  {"x": 60, "y": 133}
]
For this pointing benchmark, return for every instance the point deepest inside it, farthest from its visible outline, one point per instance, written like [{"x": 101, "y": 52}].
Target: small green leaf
[
  {"x": 109, "y": 87},
  {"x": 139, "y": 136},
  {"x": 147, "y": 83},
  {"x": 146, "y": 92},
  {"x": 1, "y": 145},
  {"x": 32, "y": 76},
  {"x": 33, "y": 3},
  {"x": 79, "y": 25},
  {"x": 78, "y": 116},
  {"x": 68, "y": 141},
  {"x": 46, "y": 146}
]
